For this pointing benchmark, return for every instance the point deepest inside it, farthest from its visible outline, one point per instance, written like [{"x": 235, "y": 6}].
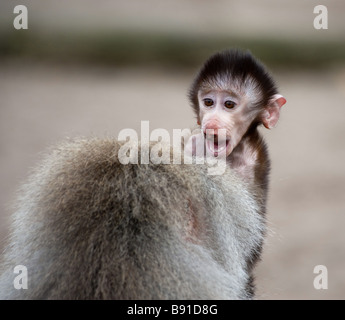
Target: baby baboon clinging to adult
[{"x": 89, "y": 227}]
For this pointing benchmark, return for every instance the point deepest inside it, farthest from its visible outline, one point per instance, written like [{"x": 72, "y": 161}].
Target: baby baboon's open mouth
[{"x": 215, "y": 146}]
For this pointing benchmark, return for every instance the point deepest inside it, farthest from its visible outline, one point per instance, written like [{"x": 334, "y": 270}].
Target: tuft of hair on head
[{"x": 234, "y": 65}]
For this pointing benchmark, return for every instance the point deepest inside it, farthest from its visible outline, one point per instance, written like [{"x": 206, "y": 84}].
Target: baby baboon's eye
[
  {"x": 229, "y": 104},
  {"x": 208, "y": 102}
]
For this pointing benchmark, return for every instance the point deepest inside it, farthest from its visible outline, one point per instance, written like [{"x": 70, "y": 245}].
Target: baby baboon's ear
[{"x": 271, "y": 113}]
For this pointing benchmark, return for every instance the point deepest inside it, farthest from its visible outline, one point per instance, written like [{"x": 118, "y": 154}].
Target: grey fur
[{"x": 88, "y": 227}]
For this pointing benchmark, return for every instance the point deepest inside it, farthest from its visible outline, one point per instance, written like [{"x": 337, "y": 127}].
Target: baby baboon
[{"x": 89, "y": 227}]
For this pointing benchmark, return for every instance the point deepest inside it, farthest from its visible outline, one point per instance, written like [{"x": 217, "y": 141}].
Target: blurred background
[{"x": 92, "y": 68}]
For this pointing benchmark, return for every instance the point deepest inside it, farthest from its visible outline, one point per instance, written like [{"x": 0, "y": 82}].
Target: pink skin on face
[
  {"x": 222, "y": 109},
  {"x": 225, "y": 117}
]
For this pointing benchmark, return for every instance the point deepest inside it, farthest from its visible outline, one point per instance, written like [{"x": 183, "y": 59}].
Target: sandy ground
[{"x": 42, "y": 104}]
